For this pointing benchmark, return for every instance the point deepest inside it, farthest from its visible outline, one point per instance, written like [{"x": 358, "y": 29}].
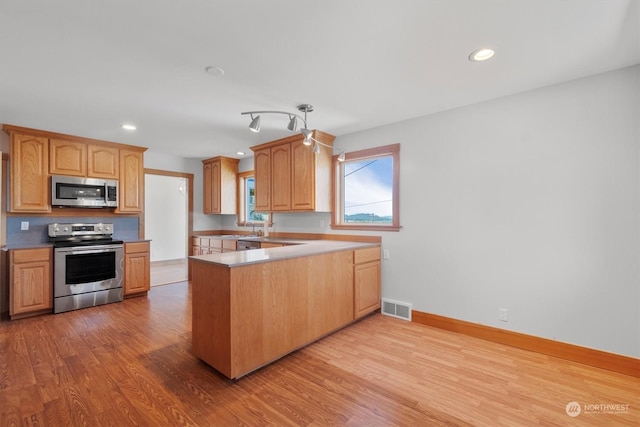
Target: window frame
[
  {"x": 241, "y": 201},
  {"x": 337, "y": 217}
]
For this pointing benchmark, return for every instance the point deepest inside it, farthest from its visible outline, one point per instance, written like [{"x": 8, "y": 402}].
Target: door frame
[{"x": 189, "y": 178}]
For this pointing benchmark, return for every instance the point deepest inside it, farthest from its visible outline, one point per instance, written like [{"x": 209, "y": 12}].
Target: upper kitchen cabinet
[
  {"x": 220, "y": 176},
  {"x": 103, "y": 162},
  {"x": 29, "y": 173},
  {"x": 131, "y": 182},
  {"x": 290, "y": 177},
  {"x": 83, "y": 159},
  {"x": 36, "y": 154},
  {"x": 67, "y": 158}
]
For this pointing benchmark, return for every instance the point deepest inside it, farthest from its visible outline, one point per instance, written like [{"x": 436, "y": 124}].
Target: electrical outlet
[
  {"x": 503, "y": 315},
  {"x": 24, "y": 225},
  {"x": 385, "y": 254}
]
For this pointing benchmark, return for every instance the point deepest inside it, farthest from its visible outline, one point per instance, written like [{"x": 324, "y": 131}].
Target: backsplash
[{"x": 125, "y": 228}]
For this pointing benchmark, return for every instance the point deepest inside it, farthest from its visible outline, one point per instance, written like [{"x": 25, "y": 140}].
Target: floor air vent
[{"x": 401, "y": 310}]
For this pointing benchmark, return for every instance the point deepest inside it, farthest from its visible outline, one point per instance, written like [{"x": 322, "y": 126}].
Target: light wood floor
[
  {"x": 130, "y": 363},
  {"x": 172, "y": 271}
]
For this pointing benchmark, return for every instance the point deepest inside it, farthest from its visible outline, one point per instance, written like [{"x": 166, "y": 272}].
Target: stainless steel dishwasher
[{"x": 244, "y": 245}]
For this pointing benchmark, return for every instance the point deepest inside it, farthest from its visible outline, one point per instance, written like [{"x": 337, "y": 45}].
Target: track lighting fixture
[
  {"x": 293, "y": 119},
  {"x": 307, "y": 136},
  {"x": 255, "y": 124},
  {"x": 292, "y": 125}
]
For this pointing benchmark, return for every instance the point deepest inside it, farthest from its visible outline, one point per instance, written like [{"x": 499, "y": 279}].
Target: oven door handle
[{"x": 88, "y": 249}]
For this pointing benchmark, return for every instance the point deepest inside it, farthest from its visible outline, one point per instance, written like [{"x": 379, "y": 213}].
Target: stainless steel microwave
[{"x": 83, "y": 192}]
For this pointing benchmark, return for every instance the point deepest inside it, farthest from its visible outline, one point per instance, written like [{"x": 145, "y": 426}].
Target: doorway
[{"x": 167, "y": 223}]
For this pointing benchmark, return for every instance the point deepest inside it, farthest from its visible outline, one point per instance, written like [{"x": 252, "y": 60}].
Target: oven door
[{"x": 83, "y": 269}]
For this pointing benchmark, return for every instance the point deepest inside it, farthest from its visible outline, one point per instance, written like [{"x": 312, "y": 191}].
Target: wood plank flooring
[{"x": 130, "y": 363}]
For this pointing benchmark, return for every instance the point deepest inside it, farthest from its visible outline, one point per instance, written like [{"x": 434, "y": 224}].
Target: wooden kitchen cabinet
[
  {"x": 83, "y": 159},
  {"x": 30, "y": 282},
  {"x": 366, "y": 281},
  {"x": 29, "y": 173},
  {"x": 262, "y": 176},
  {"x": 67, "y": 158},
  {"x": 131, "y": 182},
  {"x": 290, "y": 177},
  {"x": 103, "y": 161},
  {"x": 212, "y": 245},
  {"x": 137, "y": 268},
  {"x": 220, "y": 176}
]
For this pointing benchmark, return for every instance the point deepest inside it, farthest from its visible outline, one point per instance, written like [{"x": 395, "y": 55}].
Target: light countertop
[{"x": 295, "y": 248}]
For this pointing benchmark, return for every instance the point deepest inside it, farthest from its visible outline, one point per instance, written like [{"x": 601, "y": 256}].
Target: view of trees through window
[{"x": 250, "y": 203}]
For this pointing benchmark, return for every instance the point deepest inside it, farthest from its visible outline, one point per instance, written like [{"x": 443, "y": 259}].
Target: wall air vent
[{"x": 401, "y": 310}]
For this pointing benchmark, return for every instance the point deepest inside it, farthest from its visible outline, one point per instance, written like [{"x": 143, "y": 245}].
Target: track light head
[
  {"x": 341, "y": 156},
  {"x": 316, "y": 148},
  {"x": 307, "y": 136},
  {"x": 255, "y": 124},
  {"x": 293, "y": 123}
]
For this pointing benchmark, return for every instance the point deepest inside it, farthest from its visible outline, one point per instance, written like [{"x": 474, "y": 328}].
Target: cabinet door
[
  {"x": 216, "y": 188},
  {"x": 207, "y": 183},
  {"x": 303, "y": 187},
  {"x": 29, "y": 172},
  {"x": 281, "y": 178},
  {"x": 137, "y": 268},
  {"x": 366, "y": 288},
  {"x": 262, "y": 174},
  {"x": 131, "y": 197},
  {"x": 67, "y": 158},
  {"x": 103, "y": 162},
  {"x": 30, "y": 281}
]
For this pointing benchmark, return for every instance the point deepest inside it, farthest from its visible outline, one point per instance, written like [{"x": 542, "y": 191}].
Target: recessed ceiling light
[
  {"x": 240, "y": 153},
  {"x": 481, "y": 54},
  {"x": 214, "y": 71},
  {"x": 128, "y": 127}
]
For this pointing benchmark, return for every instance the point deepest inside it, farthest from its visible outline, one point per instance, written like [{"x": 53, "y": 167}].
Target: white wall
[
  {"x": 529, "y": 202},
  {"x": 166, "y": 207},
  {"x": 153, "y": 160}
]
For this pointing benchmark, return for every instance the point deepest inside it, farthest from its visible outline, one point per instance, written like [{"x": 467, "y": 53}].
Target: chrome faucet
[{"x": 253, "y": 227}]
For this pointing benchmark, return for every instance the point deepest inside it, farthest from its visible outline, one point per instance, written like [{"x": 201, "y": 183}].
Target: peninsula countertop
[{"x": 294, "y": 248}]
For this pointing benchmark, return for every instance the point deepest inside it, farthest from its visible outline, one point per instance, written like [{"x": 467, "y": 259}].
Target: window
[
  {"x": 366, "y": 190},
  {"x": 246, "y": 200}
]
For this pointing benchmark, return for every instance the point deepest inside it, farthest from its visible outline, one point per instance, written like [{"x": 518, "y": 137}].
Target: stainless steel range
[{"x": 87, "y": 266}]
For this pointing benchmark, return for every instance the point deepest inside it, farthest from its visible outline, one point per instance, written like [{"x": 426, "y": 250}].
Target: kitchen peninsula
[{"x": 252, "y": 307}]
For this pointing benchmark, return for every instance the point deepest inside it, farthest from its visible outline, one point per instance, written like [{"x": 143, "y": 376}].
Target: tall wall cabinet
[
  {"x": 35, "y": 155},
  {"x": 220, "y": 176},
  {"x": 290, "y": 177}
]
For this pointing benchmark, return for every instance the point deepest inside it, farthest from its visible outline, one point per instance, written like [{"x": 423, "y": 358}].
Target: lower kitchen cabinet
[
  {"x": 137, "y": 268},
  {"x": 366, "y": 281},
  {"x": 31, "y": 282}
]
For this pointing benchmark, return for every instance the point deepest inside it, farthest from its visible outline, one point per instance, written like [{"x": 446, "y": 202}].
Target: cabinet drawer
[
  {"x": 366, "y": 255},
  {"x": 30, "y": 255},
  {"x": 229, "y": 245},
  {"x": 136, "y": 247}
]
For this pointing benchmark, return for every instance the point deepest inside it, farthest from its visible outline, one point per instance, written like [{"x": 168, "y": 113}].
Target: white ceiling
[{"x": 85, "y": 67}]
